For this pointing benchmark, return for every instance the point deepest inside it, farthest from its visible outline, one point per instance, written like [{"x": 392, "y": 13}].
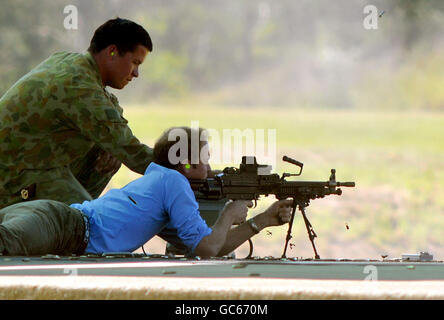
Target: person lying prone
[{"x": 124, "y": 219}]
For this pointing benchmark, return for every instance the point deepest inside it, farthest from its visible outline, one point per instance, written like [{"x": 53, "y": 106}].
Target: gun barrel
[
  {"x": 304, "y": 183},
  {"x": 346, "y": 184}
]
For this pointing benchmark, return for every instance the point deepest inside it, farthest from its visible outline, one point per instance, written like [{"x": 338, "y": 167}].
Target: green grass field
[{"x": 395, "y": 158}]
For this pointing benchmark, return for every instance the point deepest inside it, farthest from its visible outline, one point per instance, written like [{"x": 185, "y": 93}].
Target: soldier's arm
[{"x": 99, "y": 118}]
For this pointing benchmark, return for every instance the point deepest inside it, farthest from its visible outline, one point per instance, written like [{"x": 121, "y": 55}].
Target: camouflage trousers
[{"x": 73, "y": 184}]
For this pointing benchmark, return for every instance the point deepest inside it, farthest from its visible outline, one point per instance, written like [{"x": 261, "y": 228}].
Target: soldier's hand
[
  {"x": 238, "y": 210},
  {"x": 106, "y": 163},
  {"x": 279, "y": 212}
]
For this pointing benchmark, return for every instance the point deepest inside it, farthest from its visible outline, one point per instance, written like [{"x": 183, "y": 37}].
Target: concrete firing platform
[
  {"x": 139, "y": 265},
  {"x": 162, "y": 278}
]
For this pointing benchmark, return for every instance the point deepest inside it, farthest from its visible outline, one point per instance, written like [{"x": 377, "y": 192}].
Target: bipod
[
  {"x": 311, "y": 233},
  {"x": 290, "y": 224},
  {"x": 310, "y": 230}
]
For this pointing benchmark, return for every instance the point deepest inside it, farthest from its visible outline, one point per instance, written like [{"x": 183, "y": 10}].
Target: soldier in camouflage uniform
[{"x": 62, "y": 134}]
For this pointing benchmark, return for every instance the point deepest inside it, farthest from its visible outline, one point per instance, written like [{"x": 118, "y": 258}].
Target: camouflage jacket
[{"x": 54, "y": 115}]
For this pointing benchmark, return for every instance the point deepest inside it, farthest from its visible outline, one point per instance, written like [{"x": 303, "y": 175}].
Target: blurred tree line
[{"x": 285, "y": 53}]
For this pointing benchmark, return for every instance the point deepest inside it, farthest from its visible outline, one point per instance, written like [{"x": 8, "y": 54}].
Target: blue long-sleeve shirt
[{"x": 124, "y": 219}]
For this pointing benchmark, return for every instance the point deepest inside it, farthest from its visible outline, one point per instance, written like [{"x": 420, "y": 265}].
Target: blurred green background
[{"x": 368, "y": 103}]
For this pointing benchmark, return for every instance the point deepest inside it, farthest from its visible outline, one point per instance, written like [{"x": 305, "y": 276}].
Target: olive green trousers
[{"x": 42, "y": 227}]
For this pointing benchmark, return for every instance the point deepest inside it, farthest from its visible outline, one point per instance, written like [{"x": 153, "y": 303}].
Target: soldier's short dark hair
[
  {"x": 163, "y": 145},
  {"x": 126, "y": 35}
]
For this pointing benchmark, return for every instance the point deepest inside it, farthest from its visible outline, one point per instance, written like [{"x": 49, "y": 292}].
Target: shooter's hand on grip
[
  {"x": 278, "y": 213},
  {"x": 238, "y": 210}
]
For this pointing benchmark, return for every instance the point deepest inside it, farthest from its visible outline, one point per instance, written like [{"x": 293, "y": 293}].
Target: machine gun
[{"x": 252, "y": 180}]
